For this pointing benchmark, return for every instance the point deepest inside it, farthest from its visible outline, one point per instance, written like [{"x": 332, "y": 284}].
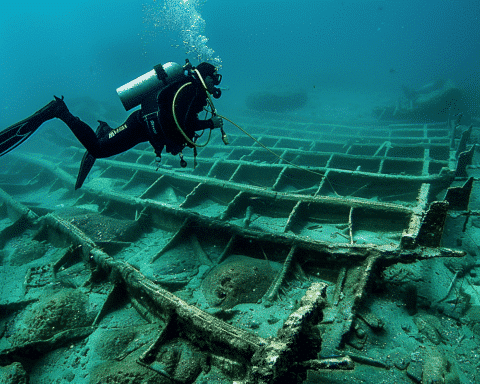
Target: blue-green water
[
  {"x": 90, "y": 48},
  {"x": 345, "y": 57}
]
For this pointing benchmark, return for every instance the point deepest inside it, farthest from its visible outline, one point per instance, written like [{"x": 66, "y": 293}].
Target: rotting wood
[
  {"x": 272, "y": 292},
  {"x": 197, "y": 325},
  {"x": 274, "y": 359},
  {"x": 161, "y": 302},
  {"x": 464, "y": 160},
  {"x": 257, "y": 191},
  {"x": 459, "y": 197},
  {"x": 431, "y": 230},
  {"x": 19, "y": 210},
  {"x": 465, "y": 138},
  {"x": 350, "y": 225},
  {"x": 409, "y": 236},
  {"x": 388, "y": 254},
  {"x": 202, "y": 256},
  {"x": 349, "y": 291},
  {"x": 112, "y": 297},
  {"x": 174, "y": 240},
  {"x": 138, "y": 204}
]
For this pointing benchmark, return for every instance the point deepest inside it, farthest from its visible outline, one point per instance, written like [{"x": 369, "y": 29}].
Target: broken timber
[{"x": 358, "y": 205}]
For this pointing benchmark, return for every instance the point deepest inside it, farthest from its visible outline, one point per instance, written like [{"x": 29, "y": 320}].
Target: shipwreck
[{"x": 349, "y": 256}]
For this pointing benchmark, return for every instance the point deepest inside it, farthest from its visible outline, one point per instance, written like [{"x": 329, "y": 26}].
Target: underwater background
[
  {"x": 368, "y": 48},
  {"x": 342, "y": 224}
]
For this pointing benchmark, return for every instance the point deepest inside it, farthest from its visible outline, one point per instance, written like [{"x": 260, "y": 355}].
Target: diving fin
[
  {"x": 16, "y": 134},
  {"x": 88, "y": 160},
  {"x": 85, "y": 166}
]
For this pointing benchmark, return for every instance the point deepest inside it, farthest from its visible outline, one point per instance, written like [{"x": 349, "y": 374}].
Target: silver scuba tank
[{"x": 134, "y": 92}]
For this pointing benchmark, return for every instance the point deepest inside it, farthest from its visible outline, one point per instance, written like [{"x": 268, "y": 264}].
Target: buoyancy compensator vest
[
  {"x": 170, "y": 96},
  {"x": 145, "y": 90}
]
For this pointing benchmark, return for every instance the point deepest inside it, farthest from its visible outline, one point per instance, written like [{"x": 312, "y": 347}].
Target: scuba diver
[{"x": 171, "y": 97}]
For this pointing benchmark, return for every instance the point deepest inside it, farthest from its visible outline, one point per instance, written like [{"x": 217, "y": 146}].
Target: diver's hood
[{"x": 207, "y": 69}]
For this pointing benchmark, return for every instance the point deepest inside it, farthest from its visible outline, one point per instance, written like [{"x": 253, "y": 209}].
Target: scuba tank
[
  {"x": 146, "y": 90},
  {"x": 136, "y": 91}
]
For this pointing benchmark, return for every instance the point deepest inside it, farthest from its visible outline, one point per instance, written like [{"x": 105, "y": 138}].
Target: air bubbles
[{"x": 183, "y": 16}]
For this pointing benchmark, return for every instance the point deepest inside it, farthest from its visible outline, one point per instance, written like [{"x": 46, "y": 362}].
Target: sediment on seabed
[{"x": 352, "y": 257}]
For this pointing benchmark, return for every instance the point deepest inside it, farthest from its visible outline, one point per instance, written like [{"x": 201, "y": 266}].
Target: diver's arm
[
  {"x": 214, "y": 122},
  {"x": 204, "y": 124}
]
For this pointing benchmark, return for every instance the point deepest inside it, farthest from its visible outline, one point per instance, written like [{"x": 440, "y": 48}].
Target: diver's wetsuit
[
  {"x": 108, "y": 142},
  {"x": 132, "y": 132},
  {"x": 154, "y": 122}
]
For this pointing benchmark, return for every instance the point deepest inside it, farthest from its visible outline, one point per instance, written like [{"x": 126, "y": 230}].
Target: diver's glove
[{"x": 217, "y": 122}]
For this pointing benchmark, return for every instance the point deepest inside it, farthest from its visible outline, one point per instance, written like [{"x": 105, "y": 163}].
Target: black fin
[
  {"x": 16, "y": 134},
  {"x": 88, "y": 160},
  {"x": 85, "y": 166}
]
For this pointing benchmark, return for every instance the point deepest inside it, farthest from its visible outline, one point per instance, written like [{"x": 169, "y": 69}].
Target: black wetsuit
[{"x": 164, "y": 134}]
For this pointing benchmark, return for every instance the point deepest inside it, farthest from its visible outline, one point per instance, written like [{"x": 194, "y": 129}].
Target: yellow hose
[
  {"x": 268, "y": 149},
  {"x": 210, "y": 102},
  {"x": 187, "y": 139}
]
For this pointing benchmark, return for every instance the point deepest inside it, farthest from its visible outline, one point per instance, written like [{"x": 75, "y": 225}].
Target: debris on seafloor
[
  {"x": 58, "y": 312},
  {"x": 435, "y": 101},
  {"x": 101, "y": 228},
  {"x": 27, "y": 250},
  {"x": 239, "y": 279},
  {"x": 368, "y": 253}
]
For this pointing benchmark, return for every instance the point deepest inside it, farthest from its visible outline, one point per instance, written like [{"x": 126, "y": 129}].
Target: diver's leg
[
  {"x": 108, "y": 143},
  {"x": 132, "y": 132},
  {"x": 81, "y": 130}
]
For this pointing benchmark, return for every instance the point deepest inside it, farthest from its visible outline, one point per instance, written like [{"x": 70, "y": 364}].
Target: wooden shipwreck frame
[{"x": 345, "y": 203}]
